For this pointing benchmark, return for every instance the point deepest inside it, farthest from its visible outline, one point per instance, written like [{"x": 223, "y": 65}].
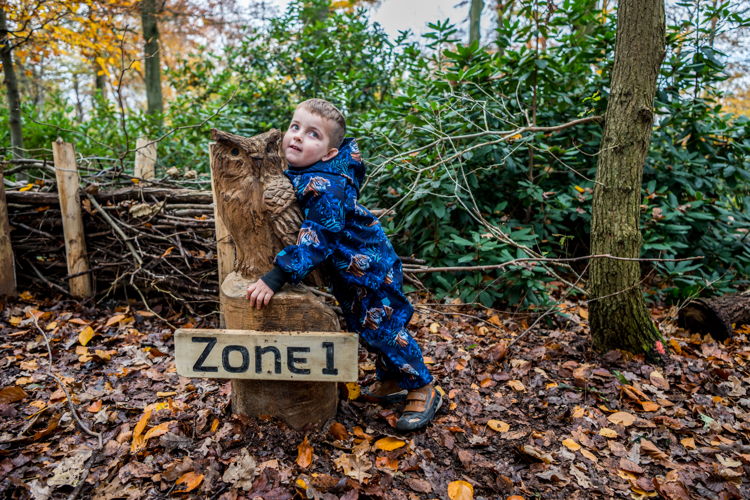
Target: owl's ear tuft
[{"x": 274, "y": 139}]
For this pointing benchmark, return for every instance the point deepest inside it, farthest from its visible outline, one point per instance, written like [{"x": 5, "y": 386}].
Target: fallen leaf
[
  {"x": 70, "y": 470},
  {"x": 353, "y": 465},
  {"x": 353, "y": 390},
  {"x": 215, "y": 425},
  {"x": 652, "y": 450},
  {"x": 622, "y": 418},
  {"x": 338, "y": 431},
  {"x": 11, "y": 394},
  {"x": 87, "y": 333},
  {"x": 571, "y": 445},
  {"x": 586, "y": 453},
  {"x": 138, "y": 442},
  {"x": 536, "y": 453},
  {"x": 388, "y": 444},
  {"x": 386, "y": 463},
  {"x": 304, "y": 453},
  {"x": 157, "y": 431},
  {"x": 658, "y": 380},
  {"x": 191, "y": 480},
  {"x": 114, "y": 319},
  {"x": 688, "y": 443},
  {"x": 607, "y": 432},
  {"x": 498, "y": 425},
  {"x": 649, "y": 406},
  {"x": 241, "y": 473},
  {"x": 495, "y": 320},
  {"x": 419, "y": 485},
  {"x": 95, "y": 406},
  {"x": 460, "y": 490},
  {"x": 516, "y": 385}
]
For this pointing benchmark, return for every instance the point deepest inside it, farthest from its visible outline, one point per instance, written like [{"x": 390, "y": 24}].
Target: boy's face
[{"x": 308, "y": 139}]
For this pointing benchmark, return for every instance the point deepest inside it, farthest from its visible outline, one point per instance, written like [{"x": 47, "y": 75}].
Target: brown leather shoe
[{"x": 421, "y": 406}]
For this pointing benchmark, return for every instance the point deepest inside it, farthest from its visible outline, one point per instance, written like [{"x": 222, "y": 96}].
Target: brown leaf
[
  {"x": 419, "y": 485},
  {"x": 652, "y": 450},
  {"x": 338, "y": 431},
  {"x": 11, "y": 394},
  {"x": 304, "y": 453},
  {"x": 630, "y": 466},
  {"x": 536, "y": 453},
  {"x": 622, "y": 417},
  {"x": 658, "y": 380}
]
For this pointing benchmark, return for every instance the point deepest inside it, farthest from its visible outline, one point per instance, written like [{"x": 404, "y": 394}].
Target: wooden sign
[{"x": 248, "y": 354}]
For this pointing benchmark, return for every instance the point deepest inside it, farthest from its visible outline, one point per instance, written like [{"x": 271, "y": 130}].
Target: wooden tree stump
[
  {"x": 256, "y": 204},
  {"x": 716, "y": 315}
]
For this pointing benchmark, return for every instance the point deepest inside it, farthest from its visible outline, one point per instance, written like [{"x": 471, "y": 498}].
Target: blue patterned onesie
[{"x": 365, "y": 271}]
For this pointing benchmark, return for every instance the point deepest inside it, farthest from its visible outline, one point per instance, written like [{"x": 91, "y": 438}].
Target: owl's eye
[{"x": 235, "y": 151}]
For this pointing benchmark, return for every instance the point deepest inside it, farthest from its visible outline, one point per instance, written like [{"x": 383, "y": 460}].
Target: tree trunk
[
  {"x": 151, "y": 55},
  {"x": 11, "y": 87},
  {"x": 617, "y": 313},
  {"x": 716, "y": 315},
  {"x": 100, "y": 79},
  {"x": 475, "y": 16}
]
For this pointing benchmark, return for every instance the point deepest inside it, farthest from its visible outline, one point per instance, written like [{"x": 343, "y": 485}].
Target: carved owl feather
[{"x": 254, "y": 198}]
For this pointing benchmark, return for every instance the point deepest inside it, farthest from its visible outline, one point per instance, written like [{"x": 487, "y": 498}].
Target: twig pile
[{"x": 146, "y": 241}]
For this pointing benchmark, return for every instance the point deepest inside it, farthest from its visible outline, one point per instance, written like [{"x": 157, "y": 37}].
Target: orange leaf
[
  {"x": 138, "y": 441},
  {"x": 157, "y": 431},
  {"x": 214, "y": 425},
  {"x": 607, "y": 433},
  {"x": 304, "y": 454},
  {"x": 95, "y": 406},
  {"x": 495, "y": 320},
  {"x": 571, "y": 445},
  {"x": 167, "y": 252},
  {"x": 191, "y": 481},
  {"x": 338, "y": 431},
  {"x": 389, "y": 444},
  {"x": 498, "y": 425},
  {"x": 460, "y": 490},
  {"x": 649, "y": 405}
]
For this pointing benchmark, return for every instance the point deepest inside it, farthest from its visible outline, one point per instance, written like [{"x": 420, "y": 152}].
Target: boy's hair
[{"x": 326, "y": 110}]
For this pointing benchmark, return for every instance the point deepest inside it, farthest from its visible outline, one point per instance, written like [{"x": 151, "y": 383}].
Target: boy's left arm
[{"x": 324, "y": 219}]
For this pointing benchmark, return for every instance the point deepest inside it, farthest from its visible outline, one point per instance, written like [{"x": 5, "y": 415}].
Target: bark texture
[
  {"x": 716, "y": 315},
  {"x": 11, "y": 88},
  {"x": 618, "y": 315},
  {"x": 151, "y": 55}
]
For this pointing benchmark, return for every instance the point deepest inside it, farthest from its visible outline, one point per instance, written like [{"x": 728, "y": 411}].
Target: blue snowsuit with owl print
[{"x": 365, "y": 271}]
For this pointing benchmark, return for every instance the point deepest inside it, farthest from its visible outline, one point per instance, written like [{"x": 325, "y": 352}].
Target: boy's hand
[{"x": 259, "y": 294}]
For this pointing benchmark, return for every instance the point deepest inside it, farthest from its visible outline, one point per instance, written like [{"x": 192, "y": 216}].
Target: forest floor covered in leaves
[{"x": 544, "y": 417}]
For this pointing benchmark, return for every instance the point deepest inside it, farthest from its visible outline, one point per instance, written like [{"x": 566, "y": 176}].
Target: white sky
[{"x": 396, "y": 15}]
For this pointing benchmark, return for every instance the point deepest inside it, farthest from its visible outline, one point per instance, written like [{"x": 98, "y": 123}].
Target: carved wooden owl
[{"x": 254, "y": 198}]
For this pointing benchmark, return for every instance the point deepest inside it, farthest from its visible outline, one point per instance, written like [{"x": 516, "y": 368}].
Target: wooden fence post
[
  {"x": 66, "y": 173},
  {"x": 7, "y": 263},
  {"x": 145, "y": 158}
]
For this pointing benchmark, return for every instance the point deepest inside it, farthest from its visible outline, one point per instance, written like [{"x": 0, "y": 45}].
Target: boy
[{"x": 326, "y": 171}]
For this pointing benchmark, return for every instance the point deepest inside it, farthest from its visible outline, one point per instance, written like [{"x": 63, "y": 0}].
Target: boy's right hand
[{"x": 259, "y": 294}]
